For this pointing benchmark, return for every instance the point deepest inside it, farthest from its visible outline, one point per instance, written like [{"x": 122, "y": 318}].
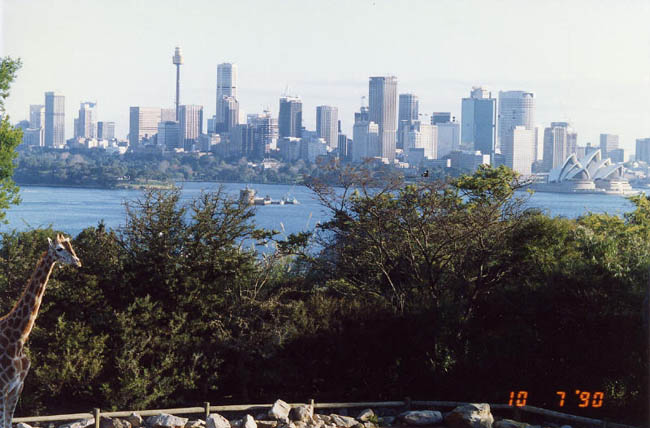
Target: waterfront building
[
  {"x": 642, "y": 153},
  {"x": 36, "y": 116},
  {"x": 382, "y": 110},
  {"x": 408, "y": 113},
  {"x": 54, "y": 120},
  {"x": 169, "y": 135},
  {"x": 478, "y": 121},
  {"x": 289, "y": 148},
  {"x": 327, "y": 125},
  {"x": 365, "y": 141},
  {"x": 441, "y": 117},
  {"x": 85, "y": 124},
  {"x": 34, "y": 137},
  {"x": 106, "y": 130},
  {"x": 468, "y": 160},
  {"x": 608, "y": 142},
  {"x": 560, "y": 140},
  {"x": 516, "y": 108},
  {"x": 143, "y": 124},
  {"x": 518, "y": 149},
  {"x": 448, "y": 137},
  {"x": 290, "y": 117},
  {"x": 190, "y": 124}
]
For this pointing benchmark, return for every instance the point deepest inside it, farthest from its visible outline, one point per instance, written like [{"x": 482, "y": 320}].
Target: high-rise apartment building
[
  {"x": 642, "y": 153},
  {"x": 516, "y": 108},
  {"x": 382, "y": 109},
  {"x": 290, "y": 117},
  {"x": 408, "y": 112},
  {"x": 518, "y": 149},
  {"x": 226, "y": 87},
  {"x": 560, "y": 141},
  {"x": 608, "y": 142},
  {"x": 54, "y": 120},
  {"x": 143, "y": 123},
  {"x": 36, "y": 116},
  {"x": 478, "y": 121},
  {"x": 85, "y": 125},
  {"x": 34, "y": 137},
  {"x": 327, "y": 125},
  {"x": 266, "y": 133},
  {"x": 106, "y": 130},
  {"x": 190, "y": 125}
]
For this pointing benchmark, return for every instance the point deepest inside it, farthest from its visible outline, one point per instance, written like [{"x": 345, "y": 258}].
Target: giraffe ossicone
[{"x": 16, "y": 326}]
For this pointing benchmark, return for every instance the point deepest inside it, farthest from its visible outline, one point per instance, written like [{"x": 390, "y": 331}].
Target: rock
[
  {"x": 387, "y": 421},
  {"x": 366, "y": 415},
  {"x": 22, "y": 425},
  {"x": 300, "y": 424},
  {"x": 369, "y": 424},
  {"x": 343, "y": 421},
  {"x": 135, "y": 420},
  {"x": 303, "y": 413},
  {"x": 280, "y": 411},
  {"x": 166, "y": 421},
  {"x": 470, "y": 416},
  {"x": 198, "y": 423},
  {"x": 215, "y": 420},
  {"x": 421, "y": 417},
  {"x": 236, "y": 423},
  {"x": 322, "y": 418},
  {"x": 248, "y": 422},
  {"x": 79, "y": 424},
  {"x": 105, "y": 422},
  {"x": 266, "y": 424}
]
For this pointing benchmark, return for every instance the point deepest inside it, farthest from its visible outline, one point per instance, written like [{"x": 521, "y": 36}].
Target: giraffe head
[{"x": 62, "y": 251}]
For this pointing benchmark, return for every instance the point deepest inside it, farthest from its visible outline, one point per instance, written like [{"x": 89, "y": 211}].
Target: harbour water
[{"x": 73, "y": 209}]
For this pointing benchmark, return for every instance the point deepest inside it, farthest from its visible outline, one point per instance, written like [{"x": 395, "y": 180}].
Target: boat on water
[{"x": 249, "y": 196}]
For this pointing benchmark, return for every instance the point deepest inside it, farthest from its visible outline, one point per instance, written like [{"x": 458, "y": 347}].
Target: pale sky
[{"x": 587, "y": 62}]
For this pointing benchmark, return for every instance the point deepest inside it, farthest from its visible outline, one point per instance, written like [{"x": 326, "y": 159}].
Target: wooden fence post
[
  {"x": 206, "y": 405},
  {"x": 96, "y": 414}
]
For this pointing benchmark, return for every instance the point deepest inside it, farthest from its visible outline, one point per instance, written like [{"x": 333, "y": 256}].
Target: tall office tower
[
  {"x": 383, "y": 111},
  {"x": 408, "y": 113},
  {"x": 226, "y": 87},
  {"x": 608, "y": 142},
  {"x": 36, "y": 116},
  {"x": 422, "y": 136},
  {"x": 54, "y": 120},
  {"x": 327, "y": 125},
  {"x": 365, "y": 140},
  {"x": 212, "y": 124},
  {"x": 362, "y": 115},
  {"x": 515, "y": 108},
  {"x": 230, "y": 114},
  {"x": 266, "y": 133},
  {"x": 518, "y": 149},
  {"x": 143, "y": 124},
  {"x": 169, "y": 135},
  {"x": 478, "y": 121},
  {"x": 344, "y": 147},
  {"x": 560, "y": 140},
  {"x": 290, "y": 117},
  {"x": 440, "y": 117},
  {"x": 106, "y": 130},
  {"x": 642, "y": 153},
  {"x": 191, "y": 125},
  {"x": 177, "y": 60},
  {"x": 448, "y": 137},
  {"x": 85, "y": 123}
]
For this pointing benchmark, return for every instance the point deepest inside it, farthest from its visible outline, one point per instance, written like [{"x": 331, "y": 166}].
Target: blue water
[{"x": 72, "y": 209}]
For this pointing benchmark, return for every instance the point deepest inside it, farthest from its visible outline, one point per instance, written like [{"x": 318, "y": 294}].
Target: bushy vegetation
[{"x": 436, "y": 290}]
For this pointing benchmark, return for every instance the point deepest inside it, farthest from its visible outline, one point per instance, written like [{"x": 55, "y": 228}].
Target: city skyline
[{"x": 599, "y": 82}]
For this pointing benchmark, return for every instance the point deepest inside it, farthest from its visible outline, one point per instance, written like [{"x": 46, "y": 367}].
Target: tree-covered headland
[{"x": 434, "y": 290}]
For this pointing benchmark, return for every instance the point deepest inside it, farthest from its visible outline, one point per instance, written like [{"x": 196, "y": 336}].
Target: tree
[{"x": 10, "y": 138}]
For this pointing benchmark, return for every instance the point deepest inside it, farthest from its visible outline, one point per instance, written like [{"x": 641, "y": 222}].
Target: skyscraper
[
  {"x": 365, "y": 140},
  {"x": 440, "y": 117},
  {"x": 407, "y": 114},
  {"x": 642, "y": 153},
  {"x": 169, "y": 135},
  {"x": 518, "y": 149},
  {"x": 143, "y": 123},
  {"x": 448, "y": 137},
  {"x": 54, "y": 120},
  {"x": 36, "y": 116},
  {"x": 327, "y": 120},
  {"x": 85, "y": 123},
  {"x": 560, "y": 140},
  {"x": 266, "y": 133},
  {"x": 230, "y": 114},
  {"x": 105, "y": 130},
  {"x": 226, "y": 87},
  {"x": 190, "y": 124},
  {"x": 478, "y": 121},
  {"x": 516, "y": 108},
  {"x": 422, "y": 136},
  {"x": 383, "y": 111},
  {"x": 290, "y": 117},
  {"x": 608, "y": 142}
]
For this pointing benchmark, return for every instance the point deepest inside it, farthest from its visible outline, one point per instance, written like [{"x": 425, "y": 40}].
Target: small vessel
[
  {"x": 249, "y": 197},
  {"x": 290, "y": 200}
]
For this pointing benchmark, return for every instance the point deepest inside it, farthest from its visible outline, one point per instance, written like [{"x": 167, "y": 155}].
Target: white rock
[
  {"x": 475, "y": 415},
  {"x": 215, "y": 420},
  {"x": 195, "y": 423},
  {"x": 248, "y": 422},
  {"x": 279, "y": 411},
  {"x": 166, "y": 421},
  {"x": 365, "y": 415},
  {"x": 79, "y": 424},
  {"x": 343, "y": 421},
  {"x": 422, "y": 417}
]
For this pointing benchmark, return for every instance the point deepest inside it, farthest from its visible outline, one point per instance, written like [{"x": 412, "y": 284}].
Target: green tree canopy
[{"x": 10, "y": 137}]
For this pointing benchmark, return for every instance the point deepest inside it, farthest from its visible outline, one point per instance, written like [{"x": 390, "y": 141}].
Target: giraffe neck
[{"x": 18, "y": 323}]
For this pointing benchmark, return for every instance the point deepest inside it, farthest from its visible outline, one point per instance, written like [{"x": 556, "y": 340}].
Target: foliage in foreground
[
  {"x": 10, "y": 138},
  {"x": 445, "y": 290}
]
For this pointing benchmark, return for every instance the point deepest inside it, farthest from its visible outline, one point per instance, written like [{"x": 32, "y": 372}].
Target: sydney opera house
[{"x": 591, "y": 174}]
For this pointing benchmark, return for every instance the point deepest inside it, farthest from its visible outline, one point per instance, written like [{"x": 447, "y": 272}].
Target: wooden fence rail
[{"x": 206, "y": 409}]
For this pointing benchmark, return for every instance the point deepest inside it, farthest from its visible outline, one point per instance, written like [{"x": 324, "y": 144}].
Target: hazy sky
[{"x": 587, "y": 62}]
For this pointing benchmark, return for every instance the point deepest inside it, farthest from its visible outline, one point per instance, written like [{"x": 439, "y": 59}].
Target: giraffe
[{"x": 18, "y": 323}]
